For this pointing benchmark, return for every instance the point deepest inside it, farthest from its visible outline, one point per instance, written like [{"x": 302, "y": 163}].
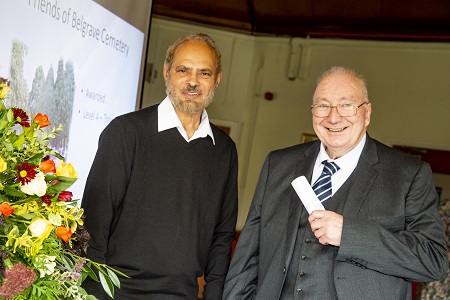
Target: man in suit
[{"x": 379, "y": 231}]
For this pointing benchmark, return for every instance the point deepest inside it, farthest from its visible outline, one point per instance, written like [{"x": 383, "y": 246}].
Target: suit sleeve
[
  {"x": 242, "y": 278},
  {"x": 104, "y": 190},
  {"x": 414, "y": 250},
  {"x": 224, "y": 234}
]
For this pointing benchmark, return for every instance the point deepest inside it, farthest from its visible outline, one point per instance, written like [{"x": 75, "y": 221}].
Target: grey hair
[
  {"x": 347, "y": 71},
  {"x": 202, "y": 37}
]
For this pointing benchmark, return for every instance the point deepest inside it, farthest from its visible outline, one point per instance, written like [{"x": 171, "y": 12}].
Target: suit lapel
[{"x": 360, "y": 182}]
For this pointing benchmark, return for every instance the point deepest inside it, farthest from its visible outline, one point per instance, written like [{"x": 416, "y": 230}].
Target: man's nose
[
  {"x": 334, "y": 115},
  {"x": 193, "y": 79}
]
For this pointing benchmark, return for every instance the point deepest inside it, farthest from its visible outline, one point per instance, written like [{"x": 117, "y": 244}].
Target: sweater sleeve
[
  {"x": 224, "y": 234},
  {"x": 105, "y": 188}
]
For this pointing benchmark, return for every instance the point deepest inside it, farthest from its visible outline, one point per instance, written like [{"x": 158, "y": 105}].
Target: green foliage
[{"x": 41, "y": 228}]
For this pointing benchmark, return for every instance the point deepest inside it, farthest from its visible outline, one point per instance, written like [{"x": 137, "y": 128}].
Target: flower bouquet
[{"x": 42, "y": 238}]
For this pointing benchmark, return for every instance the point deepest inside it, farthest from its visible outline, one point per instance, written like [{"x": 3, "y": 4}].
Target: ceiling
[{"x": 398, "y": 20}]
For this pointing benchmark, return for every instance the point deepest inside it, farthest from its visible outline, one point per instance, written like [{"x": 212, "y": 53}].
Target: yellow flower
[
  {"x": 66, "y": 170},
  {"x": 27, "y": 209},
  {"x": 15, "y": 240},
  {"x": 3, "y": 164},
  {"x": 4, "y": 90},
  {"x": 40, "y": 228},
  {"x": 12, "y": 236}
]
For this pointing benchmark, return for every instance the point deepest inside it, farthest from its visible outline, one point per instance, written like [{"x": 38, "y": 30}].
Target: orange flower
[
  {"x": 63, "y": 233},
  {"x": 6, "y": 209},
  {"x": 47, "y": 166},
  {"x": 42, "y": 120}
]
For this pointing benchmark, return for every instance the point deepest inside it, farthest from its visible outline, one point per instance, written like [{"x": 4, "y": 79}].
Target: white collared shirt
[
  {"x": 168, "y": 118},
  {"x": 346, "y": 163}
]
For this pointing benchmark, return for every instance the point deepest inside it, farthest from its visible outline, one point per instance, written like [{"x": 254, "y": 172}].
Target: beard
[{"x": 186, "y": 105}]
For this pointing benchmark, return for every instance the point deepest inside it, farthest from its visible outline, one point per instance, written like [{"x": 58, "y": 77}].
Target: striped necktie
[{"x": 322, "y": 187}]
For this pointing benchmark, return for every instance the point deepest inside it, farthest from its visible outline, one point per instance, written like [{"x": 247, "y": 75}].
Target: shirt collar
[
  {"x": 168, "y": 118},
  {"x": 346, "y": 162}
]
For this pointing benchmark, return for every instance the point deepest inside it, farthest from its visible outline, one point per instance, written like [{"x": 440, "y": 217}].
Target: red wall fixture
[{"x": 439, "y": 160}]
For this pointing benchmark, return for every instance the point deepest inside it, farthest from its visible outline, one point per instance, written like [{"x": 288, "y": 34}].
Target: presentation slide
[{"x": 74, "y": 61}]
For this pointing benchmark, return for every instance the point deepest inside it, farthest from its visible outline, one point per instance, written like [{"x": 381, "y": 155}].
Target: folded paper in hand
[{"x": 306, "y": 194}]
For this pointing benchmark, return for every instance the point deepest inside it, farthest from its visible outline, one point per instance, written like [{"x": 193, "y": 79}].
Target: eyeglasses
[{"x": 344, "y": 110}]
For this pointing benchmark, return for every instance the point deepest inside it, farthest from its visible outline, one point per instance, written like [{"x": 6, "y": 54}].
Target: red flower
[
  {"x": 47, "y": 199},
  {"x": 47, "y": 166},
  {"x": 6, "y": 209},
  {"x": 42, "y": 120},
  {"x": 21, "y": 117},
  {"x": 65, "y": 196},
  {"x": 26, "y": 173},
  {"x": 63, "y": 233}
]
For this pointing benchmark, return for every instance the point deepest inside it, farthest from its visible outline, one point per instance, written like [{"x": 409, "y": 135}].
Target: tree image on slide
[{"x": 48, "y": 95}]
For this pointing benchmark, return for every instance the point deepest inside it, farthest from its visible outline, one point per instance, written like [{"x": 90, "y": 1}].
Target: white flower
[
  {"x": 37, "y": 186},
  {"x": 45, "y": 264},
  {"x": 40, "y": 228}
]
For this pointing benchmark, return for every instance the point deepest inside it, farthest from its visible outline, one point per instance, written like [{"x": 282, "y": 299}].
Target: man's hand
[{"x": 327, "y": 226}]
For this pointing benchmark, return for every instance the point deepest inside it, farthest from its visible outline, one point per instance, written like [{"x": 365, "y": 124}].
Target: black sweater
[{"x": 160, "y": 209}]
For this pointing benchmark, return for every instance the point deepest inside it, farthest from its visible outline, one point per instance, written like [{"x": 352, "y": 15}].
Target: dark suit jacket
[{"x": 391, "y": 234}]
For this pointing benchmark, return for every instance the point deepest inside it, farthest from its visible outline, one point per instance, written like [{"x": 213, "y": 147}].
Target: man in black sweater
[{"x": 161, "y": 197}]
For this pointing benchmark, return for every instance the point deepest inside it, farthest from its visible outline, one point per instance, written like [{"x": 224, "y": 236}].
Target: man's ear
[
  {"x": 165, "y": 72},
  {"x": 218, "y": 79}
]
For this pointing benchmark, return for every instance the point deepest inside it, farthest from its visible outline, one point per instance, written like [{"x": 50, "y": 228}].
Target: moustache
[{"x": 191, "y": 89}]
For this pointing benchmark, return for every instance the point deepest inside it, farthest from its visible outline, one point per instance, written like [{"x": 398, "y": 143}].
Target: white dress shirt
[
  {"x": 346, "y": 163},
  {"x": 168, "y": 118}
]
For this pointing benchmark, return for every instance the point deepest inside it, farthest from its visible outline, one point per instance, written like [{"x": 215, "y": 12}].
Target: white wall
[{"x": 409, "y": 87}]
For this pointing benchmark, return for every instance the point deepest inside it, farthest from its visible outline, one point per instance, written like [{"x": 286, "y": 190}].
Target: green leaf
[
  {"x": 10, "y": 115},
  {"x": 63, "y": 184},
  {"x": 68, "y": 264},
  {"x": 8, "y": 146},
  {"x": 18, "y": 144},
  {"x": 113, "y": 277},
  {"x": 107, "y": 284},
  {"x": 36, "y": 159},
  {"x": 3, "y": 176},
  {"x": 59, "y": 156},
  {"x": 13, "y": 192},
  {"x": 87, "y": 269},
  {"x": 28, "y": 216},
  {"x": 83, "y": 277},
  {"x": 3, "y": 123}
]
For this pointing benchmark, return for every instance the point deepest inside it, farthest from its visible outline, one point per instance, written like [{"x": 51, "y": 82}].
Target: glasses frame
[{"x": 337, "y": 110}]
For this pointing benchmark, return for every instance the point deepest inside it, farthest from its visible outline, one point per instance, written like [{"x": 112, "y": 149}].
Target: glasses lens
[
  {"x": 346, "y": 110},
  {"x": 320, "y": 110}
]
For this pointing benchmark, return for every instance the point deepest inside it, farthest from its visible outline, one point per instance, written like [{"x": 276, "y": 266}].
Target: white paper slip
[{"x": 306, "y": 194}]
